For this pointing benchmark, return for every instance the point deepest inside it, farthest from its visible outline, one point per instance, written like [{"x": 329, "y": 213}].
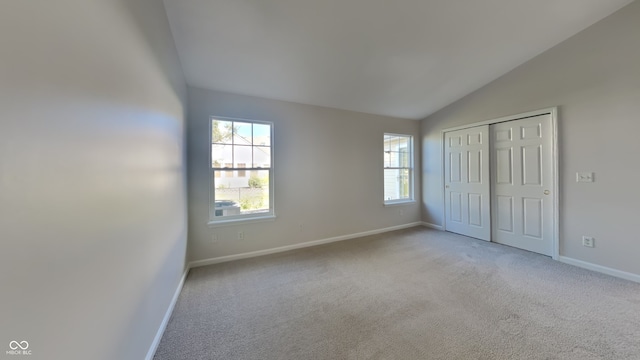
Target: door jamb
[{"x": 553, "y": 111}]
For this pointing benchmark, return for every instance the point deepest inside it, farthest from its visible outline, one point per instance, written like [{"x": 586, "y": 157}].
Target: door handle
[
  {"x": 547, "y": 192},
  {"x": 446, "y": 186}
]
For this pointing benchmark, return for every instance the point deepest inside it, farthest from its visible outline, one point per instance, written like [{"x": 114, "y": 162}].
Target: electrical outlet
[
  {"x": 401, "y": 212},
  {"x": 214, "y": 238},
  {"x": 300, "y": 227},
  {"x": 588, "y": 241},
  {"x": 240, "y": 235}
]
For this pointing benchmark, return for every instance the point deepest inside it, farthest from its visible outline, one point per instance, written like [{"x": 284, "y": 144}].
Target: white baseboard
[
  {"x": 432, "y": 226},
  {"x": 167, "y": 316},
  {"x": 599, "y": 268},
  {"x": 251, "y": 254}
]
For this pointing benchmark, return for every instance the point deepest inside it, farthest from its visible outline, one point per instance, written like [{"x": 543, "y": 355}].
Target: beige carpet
[{"x": 410, "y": 294}]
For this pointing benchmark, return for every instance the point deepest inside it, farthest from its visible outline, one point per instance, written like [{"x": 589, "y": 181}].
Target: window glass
[
  {"x": 241, "y": 165},
  {"x": 398, "y": 168}
]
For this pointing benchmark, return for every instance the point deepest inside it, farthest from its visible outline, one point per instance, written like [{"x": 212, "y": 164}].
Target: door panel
[
  {"x": 504, "y": 159},
  {"x": 532, "y": 218},
  {"x": 505, "y": 213},
  {"x": 467, "y": 187},
  {"x": 475, "y": 166},
  {"x": 456, "y": 169},
  {"x": 456, "y": 207},
  {"x": 530, "y": 132},
  {"x": 475, "y": 209},
  {"x": 522, "y": 203},
  {"x": 502, "y": 135},
  {"x": 531, "y": 165},
  {"x": 474, "y": 138}
]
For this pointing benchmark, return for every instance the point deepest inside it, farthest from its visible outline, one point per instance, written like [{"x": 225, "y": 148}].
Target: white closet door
[
  {"x": 522, "y": 172},
  {"x": 467, "y": 208}
]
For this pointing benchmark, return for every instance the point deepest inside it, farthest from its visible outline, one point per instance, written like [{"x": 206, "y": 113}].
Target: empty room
[{"x": 353, "y": 179}]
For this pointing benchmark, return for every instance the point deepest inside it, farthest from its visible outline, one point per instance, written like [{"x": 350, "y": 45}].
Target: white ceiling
[{"x": 403, "y": 58}]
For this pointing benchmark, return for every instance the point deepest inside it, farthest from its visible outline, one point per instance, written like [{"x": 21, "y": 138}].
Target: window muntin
[
  {"x": 398, "y": 168},
  {"x": 241, "y": 168}
]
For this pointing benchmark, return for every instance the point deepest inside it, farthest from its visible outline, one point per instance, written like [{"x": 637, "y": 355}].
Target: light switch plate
[{"x": 584, "y": 177}]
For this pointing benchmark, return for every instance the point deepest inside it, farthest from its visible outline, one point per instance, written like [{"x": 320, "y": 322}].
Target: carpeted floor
[{"x": 409, "y": 294}]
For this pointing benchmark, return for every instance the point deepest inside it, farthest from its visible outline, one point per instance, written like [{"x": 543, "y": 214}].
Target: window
[
  {"x": 240, "y": 148},
  {"x": 228, "y": 173},
  {"x": 398, "y": 168},
  {"x": 242, "y": 173}
]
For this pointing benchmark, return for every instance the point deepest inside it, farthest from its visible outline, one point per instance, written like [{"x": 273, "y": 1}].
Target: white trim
[
  {"x": 599, "y": 268},
  {"x": 556, "y": 184},
  {"x": 214, "y": 224},
  {"x": 553, "y": 111},
  {"x": 400, "y": 202},
  {"x": 270, "y": 169},
  {"x": 433, "y": 226},
  {"x": 443, "y": 151},
  {"x": 411, "y": 168},
  {"x": 251, "y": 254},
  {"x": 163, "y": 325}
]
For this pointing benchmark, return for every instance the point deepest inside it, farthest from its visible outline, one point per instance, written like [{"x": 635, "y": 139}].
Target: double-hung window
[
  {"x": 398, "y": 168},
  {"x": 241, "y": 170}
]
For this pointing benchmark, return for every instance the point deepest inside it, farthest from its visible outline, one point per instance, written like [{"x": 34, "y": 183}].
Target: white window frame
[
  {"x": 229, "y": 220},
  {"x": 410, "y": 149}
]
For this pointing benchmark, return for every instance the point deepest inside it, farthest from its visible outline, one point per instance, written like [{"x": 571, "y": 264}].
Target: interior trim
[
  {"x": 599, "y": 268},
  {"x": 251, "y": 254},
  {"x": 165, "y": 320}
]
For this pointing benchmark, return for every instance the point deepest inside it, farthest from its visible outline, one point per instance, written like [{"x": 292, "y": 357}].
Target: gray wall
[
  {"x": 328, "y": 173},
  {"x": 594, "y": 79},
  {"x": 92, "y": 176}
]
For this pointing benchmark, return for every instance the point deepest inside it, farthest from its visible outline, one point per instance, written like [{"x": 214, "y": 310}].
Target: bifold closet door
[
  {"x": 522, "y": 181},
  {"x": 467, "y": 188}
]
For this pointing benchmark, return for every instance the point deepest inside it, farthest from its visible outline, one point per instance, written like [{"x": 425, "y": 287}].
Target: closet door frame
[{"x": 553, "y": 111}]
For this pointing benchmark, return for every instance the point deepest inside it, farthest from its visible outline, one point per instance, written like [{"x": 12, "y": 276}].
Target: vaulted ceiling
[{"x": 403, "y": 58}]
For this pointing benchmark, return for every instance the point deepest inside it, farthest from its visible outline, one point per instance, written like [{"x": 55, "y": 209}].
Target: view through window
[
  {"x": 241, "y": 164},
  {"x": 398, "y": 168}
]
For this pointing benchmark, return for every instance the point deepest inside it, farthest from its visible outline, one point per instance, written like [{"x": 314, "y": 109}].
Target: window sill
[
  {"x": 257, "y": 219},
  {"x": 399, "y": 202}
]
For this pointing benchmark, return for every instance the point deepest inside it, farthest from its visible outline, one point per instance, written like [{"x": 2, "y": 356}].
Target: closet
[{"x": 500, "y": 181}]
